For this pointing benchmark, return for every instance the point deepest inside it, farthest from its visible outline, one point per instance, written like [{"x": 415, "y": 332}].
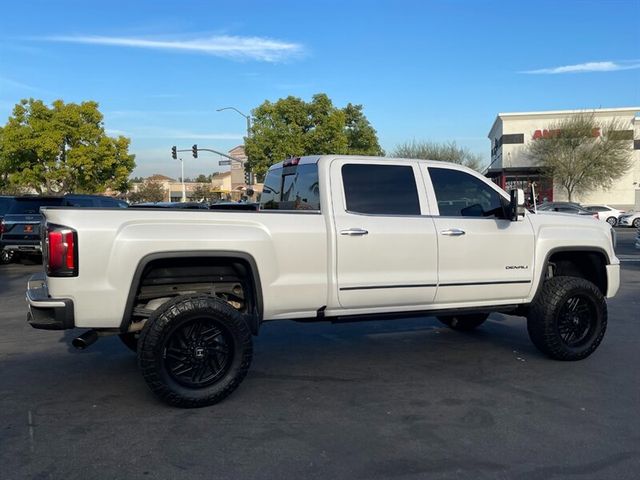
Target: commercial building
[{"x": 511, "y": 167}]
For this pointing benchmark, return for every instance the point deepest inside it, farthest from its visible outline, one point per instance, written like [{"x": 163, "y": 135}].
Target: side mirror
[{"x": 516, "y": 205}]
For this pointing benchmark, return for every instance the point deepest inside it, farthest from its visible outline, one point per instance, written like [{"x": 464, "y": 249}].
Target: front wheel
[
  {"x": 194, "y": 351},
  {"x": 568, "y": 318},
  {"x": 464, "y": 323}
]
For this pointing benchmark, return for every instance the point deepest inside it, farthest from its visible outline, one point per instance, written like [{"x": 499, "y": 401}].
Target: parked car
[
  {"x": 337, "y": 238},
  {"x": 20, "y": 225},
  {"x": 566, "y": 207},
  {"x": 630, "y": 219},
  {"x": 605, "y": 213}
]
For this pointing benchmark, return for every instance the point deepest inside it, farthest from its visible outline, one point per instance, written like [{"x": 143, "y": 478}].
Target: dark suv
[{"x": 20, "y": 219}]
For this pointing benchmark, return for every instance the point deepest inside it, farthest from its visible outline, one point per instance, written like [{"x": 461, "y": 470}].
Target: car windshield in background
[{"x": 26, "y": 206}]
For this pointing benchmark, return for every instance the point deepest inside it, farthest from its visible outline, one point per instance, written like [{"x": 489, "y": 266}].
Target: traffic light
[
  {"x": 248, "y": 176},
  {"x": 194, "y": 151},
  {"x": 174, "y": 152}
]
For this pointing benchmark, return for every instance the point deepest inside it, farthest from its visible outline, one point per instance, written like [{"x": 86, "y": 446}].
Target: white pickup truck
[{"x": 336, "y": 238}]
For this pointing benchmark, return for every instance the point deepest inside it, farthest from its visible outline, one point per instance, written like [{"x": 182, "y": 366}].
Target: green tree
[
  {"x": 582, "y": 154},
  {"x": 444, "y": 152},
  {"x": 293, "y": 127},
  {"x": 149, "y": 191},
  {"x": 62, "y": 149},
  {"x": 202, "y": 178},
  {"x": 202, "y": 193}
]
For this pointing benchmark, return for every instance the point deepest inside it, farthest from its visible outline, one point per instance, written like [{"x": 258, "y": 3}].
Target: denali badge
[{"x": 516, "y": 267}]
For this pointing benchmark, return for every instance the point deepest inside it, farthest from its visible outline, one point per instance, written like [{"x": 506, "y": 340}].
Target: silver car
[{"x": 629, "y": 219}]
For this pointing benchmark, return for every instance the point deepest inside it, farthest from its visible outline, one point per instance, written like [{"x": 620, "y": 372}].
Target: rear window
[
  {"x": 291, "y": 188},
  {"x": 25, "y": 206}
]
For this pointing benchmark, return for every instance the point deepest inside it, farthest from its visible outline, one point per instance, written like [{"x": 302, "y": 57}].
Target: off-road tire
[
  {"x": 163, "y": 327},
  {"x": 613, "y": 221},
  {"x": 130, "y": 340},
  {"x": 546, "y": 317},
  {"x": 464, "y": 323}
]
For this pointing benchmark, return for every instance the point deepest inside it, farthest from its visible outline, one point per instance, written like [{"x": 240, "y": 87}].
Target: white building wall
[{"x": 623, "y": 193}]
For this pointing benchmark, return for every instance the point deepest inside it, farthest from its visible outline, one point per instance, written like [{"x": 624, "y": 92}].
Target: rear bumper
[
  {"x": 25, "y": 246},
  {"x": 45, "y": 312},
  {"x": 613, "y": 280}
]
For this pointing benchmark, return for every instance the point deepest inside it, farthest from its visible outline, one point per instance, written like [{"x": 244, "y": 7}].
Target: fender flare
[
  {"x": 254, "y": 320},
  {"x": 545, "y": 264}
]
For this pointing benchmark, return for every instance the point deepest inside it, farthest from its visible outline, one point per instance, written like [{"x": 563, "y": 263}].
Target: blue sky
[{"x": 431, "y": 70}]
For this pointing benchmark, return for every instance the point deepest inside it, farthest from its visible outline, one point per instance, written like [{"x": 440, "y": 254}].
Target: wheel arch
[
  {"x": 242, "y": 257},
  {"x": 593, "y": 270}
]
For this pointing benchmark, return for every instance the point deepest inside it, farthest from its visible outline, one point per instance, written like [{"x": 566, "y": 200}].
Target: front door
[
  {"x": 483, "y": 256},
  {"x": 386, "y": 249}
]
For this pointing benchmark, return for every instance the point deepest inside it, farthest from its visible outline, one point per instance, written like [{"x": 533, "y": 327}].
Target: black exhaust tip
[{"x": 85, "y": 340}]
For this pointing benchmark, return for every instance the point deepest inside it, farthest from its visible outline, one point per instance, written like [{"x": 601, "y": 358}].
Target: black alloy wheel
[
  {"x": 197, "y": 353},
  {"x": 577, "y": 320}
]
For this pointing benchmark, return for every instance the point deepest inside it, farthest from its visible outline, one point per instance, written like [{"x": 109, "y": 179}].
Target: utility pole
[{"x": 247, "y": 117}]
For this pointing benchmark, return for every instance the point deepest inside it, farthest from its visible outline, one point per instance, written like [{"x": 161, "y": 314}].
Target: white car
[
  {"x": 630, "y": 219},
  {"x": 606, "y": 213}
]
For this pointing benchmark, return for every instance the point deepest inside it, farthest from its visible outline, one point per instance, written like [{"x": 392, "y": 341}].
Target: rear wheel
[
  {"x": 613, "y": 221},
  {"x": 636, "y": 223},
  {"x": 568, "y": 318},
  {"x": 194, "y": 351},
  {"x": 464, "y": 323}
]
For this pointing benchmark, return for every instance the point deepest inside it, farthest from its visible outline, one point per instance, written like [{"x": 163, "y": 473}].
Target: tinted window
[
  {"x": 380, "y": 189},
  {"x": 80, "y": 202},
  {"x": 32, "y": 205},
  {"x": 291, "y": 188},
  {"x": 460, "y": 194},
  {"x": 106, "y": 202}
]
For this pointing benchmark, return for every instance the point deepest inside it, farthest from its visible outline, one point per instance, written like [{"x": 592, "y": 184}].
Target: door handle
[
  {"x": 452, "y": 232},
  {"x": 354, "y": 232}
]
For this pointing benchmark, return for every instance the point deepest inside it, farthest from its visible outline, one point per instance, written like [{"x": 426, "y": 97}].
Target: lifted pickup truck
[{"x": 336, "y": 238}]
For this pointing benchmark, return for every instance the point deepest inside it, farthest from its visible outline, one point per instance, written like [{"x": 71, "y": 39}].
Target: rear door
[
  {"x": 482, "y": 255},
  {"x": 386, "y": 249}
]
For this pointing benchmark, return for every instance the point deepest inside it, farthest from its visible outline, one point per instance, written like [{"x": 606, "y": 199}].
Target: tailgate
[{"x": 22, "y": 227}]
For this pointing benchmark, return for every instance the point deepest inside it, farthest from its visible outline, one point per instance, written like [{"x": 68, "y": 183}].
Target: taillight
[
  {"x": 61, "y": 251},
  {"x": 291, "y": 162},
  {"x": 1, "y": 227},
  {"x": 595, "y": 215}
]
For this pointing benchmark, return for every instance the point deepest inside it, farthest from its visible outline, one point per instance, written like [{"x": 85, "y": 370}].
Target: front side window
[
  {"x": 380, "y": 189},
  {"x": 460, "y": 194},
  {"x": 291, "y": 188}
]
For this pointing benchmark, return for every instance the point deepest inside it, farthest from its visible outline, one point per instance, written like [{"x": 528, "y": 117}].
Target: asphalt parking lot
[{"x": 398, "y": 399}]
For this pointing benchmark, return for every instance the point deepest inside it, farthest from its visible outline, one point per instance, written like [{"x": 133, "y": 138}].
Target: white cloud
[
  {"x": 608, "y": 66},
  {"x": 227, "y": 46}
]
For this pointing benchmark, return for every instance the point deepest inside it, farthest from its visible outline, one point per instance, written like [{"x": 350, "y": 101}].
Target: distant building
[{"x": 511, "y": 168}]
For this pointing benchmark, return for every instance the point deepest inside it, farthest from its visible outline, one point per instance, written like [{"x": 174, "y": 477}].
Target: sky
[{"x": 423, "y": 70}]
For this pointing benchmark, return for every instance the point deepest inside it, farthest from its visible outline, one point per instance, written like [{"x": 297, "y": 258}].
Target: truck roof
[{"x": 327, "y": 158}]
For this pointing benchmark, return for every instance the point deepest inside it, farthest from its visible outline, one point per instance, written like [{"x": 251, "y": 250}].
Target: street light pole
[
  {"x": 247, "y": 117},
  {"x": 184, "y": 190}
]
